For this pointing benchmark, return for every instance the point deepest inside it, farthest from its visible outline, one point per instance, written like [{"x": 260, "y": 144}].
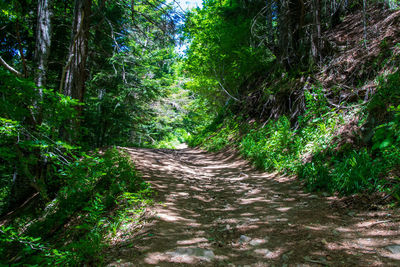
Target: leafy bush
[
  {"x": 92, "y": 186},
  {"x": 387, "y": 94},
  {"x": 222, "y": 131},
  {"x": 15, "y": 247},
  {"x": 173, "y": 139},
  {"x": 265, "y": 146},
  {"x": 353, "y": 172},
  {"x": 30, "y": 145}
]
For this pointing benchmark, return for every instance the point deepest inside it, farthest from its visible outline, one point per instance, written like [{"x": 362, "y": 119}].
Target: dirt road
[{"x": 217, "y": 210}]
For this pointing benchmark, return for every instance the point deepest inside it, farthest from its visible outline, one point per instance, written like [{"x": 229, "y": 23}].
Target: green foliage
[
  {"x": 387, "y": 95},
  {"x": 173, "y": 139},
  {"x": 387, "y": 135},
  {"x": 221, "y": 132},
  {"x": 31, "y": 248},
  {"x": 265, "y": 145},
  {"x": 309, "y": 151},
  {"x": 275, "y": 145},
  {"x": 85, "y": 179},
  {"x": 124, "y": 113},
  {"x": 93, "y": 186},
  {"x": 316, "y": 104},
  {"x": 368, "y": 169},
  {"x": 221, "y": 53},
  {"x": 27, "y": 144},
  {"x": 353, "y": 172},
  {"x": 81, "y": 183},
  {"x": 132, "y": 70}
]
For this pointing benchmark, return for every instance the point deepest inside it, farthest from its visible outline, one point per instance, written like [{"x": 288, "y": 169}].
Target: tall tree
[
  {"x": 365, "y": 22},
  {"x": 270, "y": 14},
  {"x": 31, "y": 178},
  {"x": 43, "y": 41},
  {"x": 74, "y": 73},
  {"x": 316, "y": 36}
]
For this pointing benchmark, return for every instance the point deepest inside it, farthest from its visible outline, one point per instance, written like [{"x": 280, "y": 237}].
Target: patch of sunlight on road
[{"x": 182, "y": 146}]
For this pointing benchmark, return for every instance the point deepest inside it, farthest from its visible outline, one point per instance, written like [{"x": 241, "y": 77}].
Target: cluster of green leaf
[
  {"x": 178, "y": 114},
  {"x": 177, "y": 125},
  {"x": 220, "y": 132},
  {"x": 29, "y": 247}
]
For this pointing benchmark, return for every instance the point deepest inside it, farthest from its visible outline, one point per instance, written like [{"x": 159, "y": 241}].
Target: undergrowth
[
  {"x": 315, "y": 151},
  {"x": 100, "y": 192}
]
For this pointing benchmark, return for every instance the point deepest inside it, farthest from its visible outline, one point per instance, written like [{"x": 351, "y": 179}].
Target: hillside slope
[
  {"x": 336, "y": 127},
  {"x": 355, "y": 64}
]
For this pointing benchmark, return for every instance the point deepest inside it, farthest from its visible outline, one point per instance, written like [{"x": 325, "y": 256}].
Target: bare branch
[
  {"x": 234, "y": 98},
  {"x": 11, "y": 69}
]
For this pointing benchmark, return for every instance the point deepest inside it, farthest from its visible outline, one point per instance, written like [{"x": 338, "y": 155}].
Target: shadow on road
[{"x": 216, "y": 210}]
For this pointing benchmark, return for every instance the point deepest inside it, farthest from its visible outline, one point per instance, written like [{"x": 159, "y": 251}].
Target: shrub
[
  {"x": 350, "y": 173},
  {"x": 93, "y": 186}
]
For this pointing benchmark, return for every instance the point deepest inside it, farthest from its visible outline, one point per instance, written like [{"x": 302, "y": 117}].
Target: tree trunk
[
  {"x": 31, "y": 177},
  {"x": 75, "y": 73},
  {"x": 269, "y": 22},
  {"x": 43, "y": 42},
  {"x": 283, "y": 23},
  {"x": 365, "y": 22},
  {"x": 318, "y": 28},
  {"x": 296, "y": 18},
  {"x": 316, "y": 36}
]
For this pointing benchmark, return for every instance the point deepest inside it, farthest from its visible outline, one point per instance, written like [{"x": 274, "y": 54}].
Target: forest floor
[{"x": 215, "y": 209}]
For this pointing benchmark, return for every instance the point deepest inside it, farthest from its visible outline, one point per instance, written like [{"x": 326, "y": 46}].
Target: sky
[{"x": 189, "y": 4}]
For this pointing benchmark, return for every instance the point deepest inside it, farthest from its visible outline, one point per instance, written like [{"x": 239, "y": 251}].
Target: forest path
[{"x": 215, "y": 209}]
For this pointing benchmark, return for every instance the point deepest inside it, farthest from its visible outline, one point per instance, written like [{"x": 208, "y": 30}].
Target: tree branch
[
  {"x": 11, "y": 69},
  {"x": 234, "y": 98}
]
